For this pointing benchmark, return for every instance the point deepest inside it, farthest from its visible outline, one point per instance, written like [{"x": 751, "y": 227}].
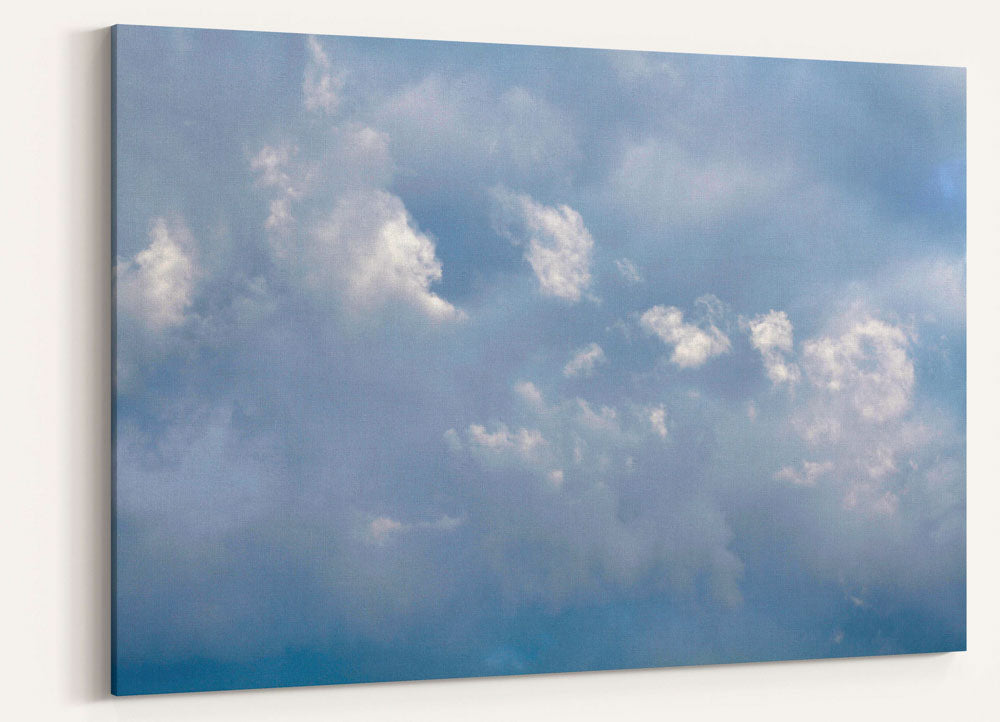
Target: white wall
[{"x": 54, "y": 275}]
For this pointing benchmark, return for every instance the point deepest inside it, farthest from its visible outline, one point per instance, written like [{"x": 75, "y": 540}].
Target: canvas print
[{"x": 443, "y": 359}]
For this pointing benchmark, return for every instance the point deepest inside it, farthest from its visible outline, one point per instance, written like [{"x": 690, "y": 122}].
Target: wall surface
[{"x": 54, "y": 280}]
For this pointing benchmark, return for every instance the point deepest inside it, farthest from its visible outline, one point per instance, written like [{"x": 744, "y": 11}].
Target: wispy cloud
[
  {"x": 321, "y": 85},
  {"x": 628, "y": 271},
  {"x": 584, "y": 361}
]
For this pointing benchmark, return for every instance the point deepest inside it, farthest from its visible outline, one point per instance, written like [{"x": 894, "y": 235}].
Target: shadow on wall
[{"x": 86, "y": 133}]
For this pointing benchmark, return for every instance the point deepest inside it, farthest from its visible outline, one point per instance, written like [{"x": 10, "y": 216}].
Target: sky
[{"x": 443, "y": 359}]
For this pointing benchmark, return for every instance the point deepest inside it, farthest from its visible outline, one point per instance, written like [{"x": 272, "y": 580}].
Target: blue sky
[{"x": 441, "y": 359}]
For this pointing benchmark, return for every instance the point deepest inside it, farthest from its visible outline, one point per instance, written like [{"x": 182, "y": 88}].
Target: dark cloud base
[{"x": 578, "y": 641}]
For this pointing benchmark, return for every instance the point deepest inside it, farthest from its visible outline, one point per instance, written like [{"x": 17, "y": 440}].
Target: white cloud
[
  {"x": 280, "y": 215},
  {"x": 354, "y": 157},
  {"x": 863, "y": 372},
  {"x": 271, "y": 164},
  {"x": 530, "y": 393},
  {"x": 524, "y": 442},
  {"x": 628, "y": 270},
  {"x": 692, "y": 344},
  {"x": 872, "y": 480},
  {"x": 771, "y": 334},
  {"x": 807, "y": 475},
  {"x": 320, "y": 85},
  {"x": 584, "y": 361},
  {"x": 272, "y": 167},
  {"x": 559, "y": 245},
  {"x": 594, "y": 452},
  {"x": 499, "y": 439},
  {"x": 605, "y": 420},
  {"x": 657, "y": 416},
  {"x": 869, "y": 363},
  {"x": 157, "y": 284},
  {"x": 372, "y": 247},
  {"x": 381, "y": 528},
  {"x": 887, "y": 504},
  {"x": 880, "y": 462},
  {"x": 452, "y": 439}
]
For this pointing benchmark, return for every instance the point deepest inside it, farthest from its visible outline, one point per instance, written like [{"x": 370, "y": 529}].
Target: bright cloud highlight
[
  {"x": 157, "y": 285},
  {"x": 692, "y": 345}
]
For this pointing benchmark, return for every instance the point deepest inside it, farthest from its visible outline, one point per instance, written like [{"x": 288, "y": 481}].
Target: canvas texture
[{"x": 441, "y": 359}]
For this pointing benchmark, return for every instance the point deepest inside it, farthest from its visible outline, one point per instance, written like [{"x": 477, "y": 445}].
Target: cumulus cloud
[
  {"x": 771, "y": 334},
  {"x": 352, "y": 157},
  {"x": 372, "y": 247},
  {"x": 321, "y": 86},
  {"x": 856, "y": 411},
  {"x": 869, "y": 363},
  {"x": 523, "y": 442},
  {"x": 157, "y": 284},
  {"x": 584, "y": 485},
  {"x": 692, "y": 344},
  {"x": 571, "y": 433},
  {"x": 584, "y": 361},
  {"x": 368, "y": 247},
  {"x": 559, "y": 246}
]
